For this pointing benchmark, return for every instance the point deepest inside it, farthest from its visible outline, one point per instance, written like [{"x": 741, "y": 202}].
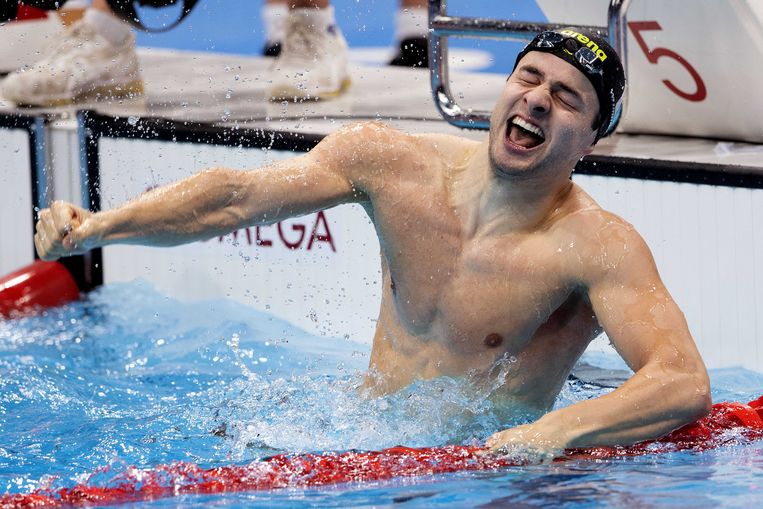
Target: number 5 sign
[
  {"x": 695, "y": 68},
  {"x": 654, "y": 55}
]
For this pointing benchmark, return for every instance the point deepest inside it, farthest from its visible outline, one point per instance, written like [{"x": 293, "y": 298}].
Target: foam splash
[{"x": 308, "y": 412}]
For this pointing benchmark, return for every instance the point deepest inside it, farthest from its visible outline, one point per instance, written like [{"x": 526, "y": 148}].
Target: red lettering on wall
[
  {"x": 297, "y": 228},
  {"x": 321, "y": 219},
  {"x": 294, "y": 239},
  {"x": 260, "y": 241}
]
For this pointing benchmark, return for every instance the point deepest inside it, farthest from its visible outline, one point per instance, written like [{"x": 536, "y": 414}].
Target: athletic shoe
[
  {"x": 312, "y": 63},
  {"x": 81, "y": 65},
  {"x": 414, "y": 52}
]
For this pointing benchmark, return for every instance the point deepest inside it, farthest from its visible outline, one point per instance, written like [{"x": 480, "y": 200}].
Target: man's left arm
[{"x": 670, "y": 386}]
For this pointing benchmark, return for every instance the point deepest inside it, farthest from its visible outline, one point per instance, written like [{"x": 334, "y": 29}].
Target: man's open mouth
[{"x": 523, "y": 133}]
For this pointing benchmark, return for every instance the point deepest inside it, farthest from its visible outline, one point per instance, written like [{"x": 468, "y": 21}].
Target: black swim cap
[{"x": 596, "y": 59}]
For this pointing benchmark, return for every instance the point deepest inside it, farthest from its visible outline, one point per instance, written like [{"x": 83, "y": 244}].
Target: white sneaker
[
  {"x": 81, "y": 65},
  {"x": 313, "y": 60}
]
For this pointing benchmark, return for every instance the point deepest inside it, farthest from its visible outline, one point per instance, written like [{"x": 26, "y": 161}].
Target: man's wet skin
[
  {"x": 489, "y": 253},
  {"x": 456, "y": 302},
  {"x": 473, "y": 279}
]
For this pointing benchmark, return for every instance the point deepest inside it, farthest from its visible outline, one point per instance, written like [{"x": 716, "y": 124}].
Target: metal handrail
[{"x": 442, "y": 26}]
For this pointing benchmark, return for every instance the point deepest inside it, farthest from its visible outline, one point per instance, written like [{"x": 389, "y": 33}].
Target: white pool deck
[{"x": 220, "y": 89}]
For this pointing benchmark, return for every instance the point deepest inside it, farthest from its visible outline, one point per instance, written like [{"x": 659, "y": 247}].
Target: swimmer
[{"x": 489, "y": 250}]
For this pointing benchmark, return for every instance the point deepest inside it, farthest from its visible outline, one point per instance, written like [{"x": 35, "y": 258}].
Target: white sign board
[{"x": 694, "y": 68}]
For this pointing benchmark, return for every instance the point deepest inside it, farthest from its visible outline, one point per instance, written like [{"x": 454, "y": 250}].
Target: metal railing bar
[
  {"x": 443, "y": 26},
  {"x": 456, "y": 26}
]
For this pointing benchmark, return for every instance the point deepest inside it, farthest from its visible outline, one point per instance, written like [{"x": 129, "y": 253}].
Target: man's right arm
[{"x": 213, "y": 202}]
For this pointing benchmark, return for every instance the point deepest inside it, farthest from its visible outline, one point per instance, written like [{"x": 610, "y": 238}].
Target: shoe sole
[
  {"x": 106, "y": 92},
  {"x": 295, "y": 94}
]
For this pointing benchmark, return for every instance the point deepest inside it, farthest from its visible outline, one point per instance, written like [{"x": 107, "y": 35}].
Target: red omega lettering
[
  {"x": 321, "y": 218},
  {"x": 320, "y": 232},
  {"x": 297, "y": 228},
  {"x": 259, "y": 240}
]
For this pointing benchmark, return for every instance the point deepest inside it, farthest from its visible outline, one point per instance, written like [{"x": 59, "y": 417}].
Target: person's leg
[
  {"x": 314, "y": 58},
  {"x": 274, "y": 13},
  {"x": 305, "y": 4},
  {"x": 94, "y": 58},
  {"x": 72, "y": 11},
  {"x": 101, "y": 5},
  {"x": 411, "y": 28},
  {"x": 100, "y": 16}
]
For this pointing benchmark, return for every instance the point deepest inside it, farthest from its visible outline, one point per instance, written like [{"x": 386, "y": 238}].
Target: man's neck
[{"x": 491, "y": 203}]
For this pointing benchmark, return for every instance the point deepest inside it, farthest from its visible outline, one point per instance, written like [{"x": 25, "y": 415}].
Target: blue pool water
[{"x": 131, "y": 377}]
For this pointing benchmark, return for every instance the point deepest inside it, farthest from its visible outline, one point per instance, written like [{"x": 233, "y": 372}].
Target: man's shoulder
[
  {"x": 377, "y": 128},
  {"x": 375, "y": 136},
  {"x": 448, "y": 146},
  {"x": 592, "y": 220},
  {"x": 374, "y": 144},
  {"x": 583, "y": 216},
  {"x": 601, "y": 241}
]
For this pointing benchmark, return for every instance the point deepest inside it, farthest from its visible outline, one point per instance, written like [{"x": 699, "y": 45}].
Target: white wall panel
[
  {"x": 757, "y": 276},
  {"x": 16, "y": 247}
]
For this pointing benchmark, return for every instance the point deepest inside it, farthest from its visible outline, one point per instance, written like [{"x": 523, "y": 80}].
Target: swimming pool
[{"x": 129, "y": 376}]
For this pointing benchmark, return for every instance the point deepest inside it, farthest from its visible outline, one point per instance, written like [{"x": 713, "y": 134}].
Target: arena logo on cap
[{"x": 588, "y": 42}]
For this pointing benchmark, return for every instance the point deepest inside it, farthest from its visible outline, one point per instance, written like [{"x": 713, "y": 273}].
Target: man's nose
[{"x": 538, "y": 100}]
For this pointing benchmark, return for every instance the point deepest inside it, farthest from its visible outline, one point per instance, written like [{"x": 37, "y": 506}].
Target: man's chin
[{"x": 504, "y": 168}]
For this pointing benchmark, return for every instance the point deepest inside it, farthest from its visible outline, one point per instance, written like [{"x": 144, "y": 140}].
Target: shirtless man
[{"x": 489, "y": 250}]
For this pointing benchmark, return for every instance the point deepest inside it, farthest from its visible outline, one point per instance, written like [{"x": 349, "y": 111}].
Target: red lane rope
[{"x": 727, "y": 423}]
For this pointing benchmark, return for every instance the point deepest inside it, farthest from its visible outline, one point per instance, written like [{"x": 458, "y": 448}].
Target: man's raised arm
[
  {"x": 670, "y": 386},
  {"x": 212, "y": 202}
]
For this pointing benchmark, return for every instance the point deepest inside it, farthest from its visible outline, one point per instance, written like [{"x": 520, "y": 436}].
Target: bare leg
[
  {"x": 413, "y": 3},
  {"x": 70, "y": 15},
  {"x": 274, "y": 13},
  {"x": 306, "y": 4},
  {"x": 101, "y": 5},
  {"x": 411, "y": 34}
]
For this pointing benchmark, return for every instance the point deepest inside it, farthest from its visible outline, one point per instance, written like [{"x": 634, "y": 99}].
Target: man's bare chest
[{"x": 476, "y": 294}]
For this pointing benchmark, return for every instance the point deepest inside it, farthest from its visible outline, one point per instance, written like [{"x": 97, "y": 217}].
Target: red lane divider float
[
  {"x": 727, "y": 423},
  {"x": 38, "y": 285}
]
